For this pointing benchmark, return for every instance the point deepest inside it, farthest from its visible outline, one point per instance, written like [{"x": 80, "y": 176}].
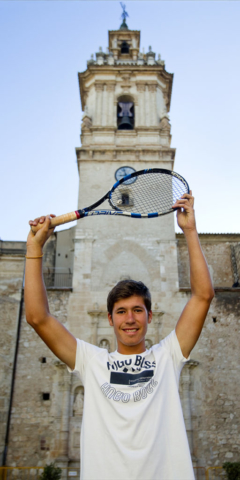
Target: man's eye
[
  {"x": 138, "y": 310},
  {"x": 121, "y": 311}
]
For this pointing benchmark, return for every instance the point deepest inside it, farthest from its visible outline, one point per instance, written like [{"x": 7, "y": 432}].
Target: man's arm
[
  {"x": 60, "y": 341},
  {"x": 191, "y": 321}
]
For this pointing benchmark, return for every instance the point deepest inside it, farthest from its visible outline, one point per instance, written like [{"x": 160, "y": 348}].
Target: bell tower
[{"x": 125, "y": 95}]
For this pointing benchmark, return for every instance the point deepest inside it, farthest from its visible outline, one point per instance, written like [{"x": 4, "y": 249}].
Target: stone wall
[
  {"x": 11, "y": 281},
  {"x": 217, "y": 250},
  {"x": 36, "y": 420},
  {"x": 214, "y": 387}
]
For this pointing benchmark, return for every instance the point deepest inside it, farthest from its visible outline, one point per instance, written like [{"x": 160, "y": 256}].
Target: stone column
[
  {"x": 80, "y": 298},
  {"x": 83, "y": 263},
  {"x": 147, "y": 101},
  {"x": 104, "y": 107},
  {"x": 64, "y": 390},
  {"x": 153, "y": 104},
  {"x": 186, "y": 402},
  {"x": 157, "y": 320},
  {"x": 141, "y": 109},
  {"x": 95, "y": 321},
  {"x": 98, "y": 107},
  {"x": 110, "y": 89}
]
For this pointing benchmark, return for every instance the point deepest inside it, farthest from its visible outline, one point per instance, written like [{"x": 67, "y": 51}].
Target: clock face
[{"x": 122, "y": 172}]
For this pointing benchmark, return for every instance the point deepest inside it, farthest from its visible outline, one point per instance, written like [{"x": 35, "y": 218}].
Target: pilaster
[
  {"x": 186, "y": 381},
  {"x": 64, "y": 385}
]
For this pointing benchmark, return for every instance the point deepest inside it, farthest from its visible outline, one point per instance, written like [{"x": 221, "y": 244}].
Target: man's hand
[
  {"x": 35, "y": 241},
  {"x": 185, "y": 213}
]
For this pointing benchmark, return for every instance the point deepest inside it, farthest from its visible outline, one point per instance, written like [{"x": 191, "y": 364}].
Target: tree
[
  {"x": 51, "y": 472},
  {"x": 233, "y": 470}
]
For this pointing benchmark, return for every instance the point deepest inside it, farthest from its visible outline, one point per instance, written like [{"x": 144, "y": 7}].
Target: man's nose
[{"x": 130, "y": 317}]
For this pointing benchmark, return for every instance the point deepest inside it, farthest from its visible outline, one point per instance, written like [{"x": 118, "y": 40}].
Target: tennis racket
[{"x": 144, "y": 194}]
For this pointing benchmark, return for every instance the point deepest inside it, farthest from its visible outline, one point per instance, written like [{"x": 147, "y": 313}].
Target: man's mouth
[{"x": 130, "y": 330}]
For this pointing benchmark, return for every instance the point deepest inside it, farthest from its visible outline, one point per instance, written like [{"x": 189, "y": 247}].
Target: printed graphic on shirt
[
  {"x": 113, "y": 394},
  {"x": 129, "y": 378},
  {"x": 132, "y": 364},
  {"x": 125, "y": 372},
  {"x": 133, "y": 372}
]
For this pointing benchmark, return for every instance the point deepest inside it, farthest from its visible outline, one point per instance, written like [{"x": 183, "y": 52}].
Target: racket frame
[{"x": 117, "y": 211}]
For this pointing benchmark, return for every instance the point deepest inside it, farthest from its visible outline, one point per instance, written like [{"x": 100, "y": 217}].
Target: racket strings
[{"x": 149, "y": 193}]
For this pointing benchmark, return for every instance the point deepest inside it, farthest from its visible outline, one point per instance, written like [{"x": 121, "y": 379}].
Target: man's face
[{"x": 130, "y": 320}]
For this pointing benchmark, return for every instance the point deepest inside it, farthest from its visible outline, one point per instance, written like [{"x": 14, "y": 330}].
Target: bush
[
  {"x": 51, "y": 472},
  {"x": 233, "y": 470}
]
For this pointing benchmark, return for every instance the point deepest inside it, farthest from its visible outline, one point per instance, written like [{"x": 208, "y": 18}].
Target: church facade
[{"x": 126, "y": 98}]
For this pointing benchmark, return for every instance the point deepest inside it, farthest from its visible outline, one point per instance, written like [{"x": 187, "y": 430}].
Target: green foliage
[
  {"x": 233, "y": 470},
  {"x": 51, "y": 472}
]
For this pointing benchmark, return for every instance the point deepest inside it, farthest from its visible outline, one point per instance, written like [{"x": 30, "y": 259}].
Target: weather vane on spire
[{"x": 124, "y": 15}]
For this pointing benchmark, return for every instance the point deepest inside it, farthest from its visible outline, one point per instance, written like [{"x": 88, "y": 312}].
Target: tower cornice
[{"x": 93, "y": 72}]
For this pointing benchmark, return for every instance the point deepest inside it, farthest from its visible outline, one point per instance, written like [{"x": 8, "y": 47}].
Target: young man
[{"x": 133, "y": 427}]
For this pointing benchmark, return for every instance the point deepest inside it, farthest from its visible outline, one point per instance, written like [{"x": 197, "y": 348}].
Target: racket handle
[{"x": 60, "y": 220}]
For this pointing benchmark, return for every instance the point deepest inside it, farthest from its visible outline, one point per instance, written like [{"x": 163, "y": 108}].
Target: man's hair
[{"x": 126, "y": 289}]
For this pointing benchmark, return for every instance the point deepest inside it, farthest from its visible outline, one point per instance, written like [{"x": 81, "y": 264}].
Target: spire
[{"x": 124, "y": 15}]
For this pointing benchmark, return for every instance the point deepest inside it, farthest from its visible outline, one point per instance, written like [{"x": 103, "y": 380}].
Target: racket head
[{"x": 151, "y": 193}]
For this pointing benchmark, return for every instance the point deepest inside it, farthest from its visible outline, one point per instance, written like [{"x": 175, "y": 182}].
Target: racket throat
[{"x": 82, "y": 212}]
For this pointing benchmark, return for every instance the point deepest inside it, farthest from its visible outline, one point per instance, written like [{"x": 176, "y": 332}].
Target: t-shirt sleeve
[
  {"x": 171, "y": 344},
  {"x": 85, "y": 351}
]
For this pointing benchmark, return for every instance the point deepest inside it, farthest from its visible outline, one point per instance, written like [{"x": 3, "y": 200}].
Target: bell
[{"x": 125, "y": 124}]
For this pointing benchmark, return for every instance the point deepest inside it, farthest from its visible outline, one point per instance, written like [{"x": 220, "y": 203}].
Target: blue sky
[{"x": 44, "y": 44}]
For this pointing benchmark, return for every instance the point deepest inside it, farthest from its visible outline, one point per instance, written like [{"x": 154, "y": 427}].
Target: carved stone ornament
[
  {"x": 140, "y": 87},
  {"x": 165, "y": 98},
  {"x": 99, "y": 87},
  {"x": 126, "y": 78},
  {"x": 148, "y": 343},
  {"x": 152, "y": 88},
  {"x": 164, "y": 124},
  {"x": 110, "y": 87},
  {"x": 86, "y": 121},
  {"x": 78, "y": 402},
  {"x": 104, "y": 343}
]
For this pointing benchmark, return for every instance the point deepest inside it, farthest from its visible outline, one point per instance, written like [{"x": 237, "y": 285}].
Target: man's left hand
[{"x": 185, "y": 213}]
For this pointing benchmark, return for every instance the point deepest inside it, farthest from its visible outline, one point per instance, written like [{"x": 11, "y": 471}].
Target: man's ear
[
  {"x": 149, "y": 316},
  {"x": 110, "y": 320}
]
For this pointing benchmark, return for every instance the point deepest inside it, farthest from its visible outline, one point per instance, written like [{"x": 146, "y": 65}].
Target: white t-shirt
[{"x": 133, "y": 426}]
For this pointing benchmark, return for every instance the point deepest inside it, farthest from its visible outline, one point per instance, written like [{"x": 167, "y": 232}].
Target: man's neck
[{"x": 132, "y": 349}]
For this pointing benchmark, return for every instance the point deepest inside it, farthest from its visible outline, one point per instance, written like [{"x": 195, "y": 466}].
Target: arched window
[
  {"x": 125, "y": 199},
  {"x": 124, "y": 47},
  {"x": 125, "y": 114}
]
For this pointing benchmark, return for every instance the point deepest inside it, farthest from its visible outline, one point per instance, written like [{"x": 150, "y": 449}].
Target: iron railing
[
  {"x": 200, "y": 473},
  {"x": 33, "y": 473},
  {"x": 215, "y": 473},
  {"x": 53, "y": 279}
]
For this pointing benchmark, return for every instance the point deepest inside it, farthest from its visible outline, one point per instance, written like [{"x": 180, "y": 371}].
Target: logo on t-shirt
[
  {"x": 131, "y": 379},
  {"x": 131, "y": 371}
]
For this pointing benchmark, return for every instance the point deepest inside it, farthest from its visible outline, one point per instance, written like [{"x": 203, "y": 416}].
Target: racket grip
[{"x": 60, "y": 220}]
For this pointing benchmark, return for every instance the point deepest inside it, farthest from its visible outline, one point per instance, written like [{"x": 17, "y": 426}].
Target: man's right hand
[{"x": 36, "y": 240}]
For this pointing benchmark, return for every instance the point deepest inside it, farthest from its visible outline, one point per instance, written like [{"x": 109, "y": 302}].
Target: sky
[{"x": 44, "y": 44}]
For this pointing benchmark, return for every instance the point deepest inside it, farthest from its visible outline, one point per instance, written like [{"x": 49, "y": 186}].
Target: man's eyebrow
[{"x": 134, "y": 306}]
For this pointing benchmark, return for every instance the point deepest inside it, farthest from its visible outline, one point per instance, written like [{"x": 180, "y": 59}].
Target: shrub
[
  {"x": 233, "y": 470},
  {"x": 51, "y": 472}
]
